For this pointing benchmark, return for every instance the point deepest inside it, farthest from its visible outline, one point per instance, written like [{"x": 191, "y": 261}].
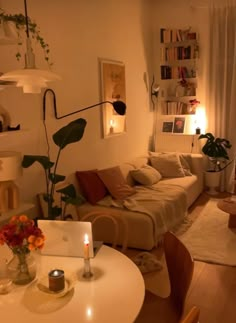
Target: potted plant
[
  {"x": 216, "y": 149},
  {"x": 71, "y": 133},
  {"x": 19, "y": 22}
]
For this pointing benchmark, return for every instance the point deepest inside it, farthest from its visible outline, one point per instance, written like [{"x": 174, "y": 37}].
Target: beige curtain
[{"x": 221, "y": 79}]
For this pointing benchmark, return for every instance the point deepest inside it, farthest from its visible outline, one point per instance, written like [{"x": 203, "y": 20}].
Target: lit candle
[
  {"x": 56, "y": 280},
  {"x": 86, "y": 247},
  {"x": 111, "y": 126}
]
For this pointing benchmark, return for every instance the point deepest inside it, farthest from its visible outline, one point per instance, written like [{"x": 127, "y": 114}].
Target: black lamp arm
[{"x": 55, "y": 105}]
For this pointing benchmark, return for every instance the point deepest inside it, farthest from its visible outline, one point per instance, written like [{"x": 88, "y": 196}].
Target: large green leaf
[
  {"x": 68, "y": 190},
  {"x": 55, "y": 178},
  {"x": 71, "y": 133},
  {"x": 29, "y": 160}
]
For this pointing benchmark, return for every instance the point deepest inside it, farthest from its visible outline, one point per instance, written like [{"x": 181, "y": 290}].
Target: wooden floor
[{"x": 213, "y": 287}]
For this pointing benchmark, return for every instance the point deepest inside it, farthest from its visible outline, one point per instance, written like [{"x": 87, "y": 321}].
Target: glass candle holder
[
  {"x": 87, "y": 268},
  {"x": 56, "y": 279}
]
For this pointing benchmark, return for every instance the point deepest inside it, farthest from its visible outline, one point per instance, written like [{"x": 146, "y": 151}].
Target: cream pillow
[
  {"x": 168, "y": 164},
  {"x": 146, "y": 175}
]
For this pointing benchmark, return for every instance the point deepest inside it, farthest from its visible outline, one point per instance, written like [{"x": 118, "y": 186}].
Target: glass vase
[{"x": 22, "y": 268}]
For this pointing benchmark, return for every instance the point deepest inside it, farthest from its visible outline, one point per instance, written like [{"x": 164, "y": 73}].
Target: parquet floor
[{"x": 213, "y": 287}]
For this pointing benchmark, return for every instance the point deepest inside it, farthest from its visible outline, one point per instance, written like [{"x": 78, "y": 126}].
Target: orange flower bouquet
[{"x": 22, "y": 236}]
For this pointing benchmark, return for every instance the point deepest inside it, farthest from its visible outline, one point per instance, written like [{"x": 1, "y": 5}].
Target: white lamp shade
[
  {"x": 32, "y": 80},
  {"x": 10, "y": 165}
]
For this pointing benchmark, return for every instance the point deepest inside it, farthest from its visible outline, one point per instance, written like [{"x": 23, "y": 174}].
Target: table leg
[{"x": 232, "y": 221}]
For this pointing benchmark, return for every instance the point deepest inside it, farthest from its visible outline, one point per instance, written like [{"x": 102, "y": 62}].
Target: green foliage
[
  {"x": 216, "y": 150},
  {"x": 34, "y": 30},
  {"x": 71, "y": 133}
]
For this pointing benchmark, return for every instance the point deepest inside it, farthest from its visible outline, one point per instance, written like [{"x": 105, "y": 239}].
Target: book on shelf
[
  {"x": 168, "y": 35},
  {"x": 176, "y": 108}
]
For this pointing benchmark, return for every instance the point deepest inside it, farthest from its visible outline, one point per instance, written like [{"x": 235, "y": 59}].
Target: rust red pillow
[{"x": 91, "y": 185}]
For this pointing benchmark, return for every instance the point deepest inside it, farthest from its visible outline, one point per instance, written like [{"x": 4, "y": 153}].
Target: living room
[{"x": 79, "y": 33}]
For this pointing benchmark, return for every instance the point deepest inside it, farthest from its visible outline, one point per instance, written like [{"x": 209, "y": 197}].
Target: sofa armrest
[{"x": 197, "y": 166}]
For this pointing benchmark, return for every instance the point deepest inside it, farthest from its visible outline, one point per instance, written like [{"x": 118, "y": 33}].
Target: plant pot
[{"x": 212, "y": 181}]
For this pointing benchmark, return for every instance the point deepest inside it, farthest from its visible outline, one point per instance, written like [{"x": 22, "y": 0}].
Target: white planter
[{"x": 212, "y": 181}]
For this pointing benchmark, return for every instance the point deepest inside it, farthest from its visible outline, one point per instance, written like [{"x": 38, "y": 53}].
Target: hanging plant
[{"x": 19, "y": 21}]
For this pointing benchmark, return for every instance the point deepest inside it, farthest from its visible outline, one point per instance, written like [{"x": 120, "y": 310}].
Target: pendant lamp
[{"x": 31, "y": 79}]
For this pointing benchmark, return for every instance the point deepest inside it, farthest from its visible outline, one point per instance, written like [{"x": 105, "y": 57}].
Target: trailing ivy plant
[{"x": 20, "y": 23}]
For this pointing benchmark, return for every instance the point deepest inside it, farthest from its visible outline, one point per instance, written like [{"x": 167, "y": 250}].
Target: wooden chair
[
  {"x": 180, "y": 267},
  {"x": 192, "y": 316},
  {"x": 95, "y": 216}
]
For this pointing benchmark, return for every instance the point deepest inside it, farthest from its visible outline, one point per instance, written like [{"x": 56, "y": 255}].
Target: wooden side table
[{"x": 229, "y": 206}]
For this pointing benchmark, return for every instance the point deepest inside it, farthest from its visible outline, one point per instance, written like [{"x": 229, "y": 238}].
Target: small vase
[{"x": 22, "y": 268}]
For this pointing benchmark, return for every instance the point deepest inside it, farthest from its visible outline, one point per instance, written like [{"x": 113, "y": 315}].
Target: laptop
[{"x": 66, "y": 238}]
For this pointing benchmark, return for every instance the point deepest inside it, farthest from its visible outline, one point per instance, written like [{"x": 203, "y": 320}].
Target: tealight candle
[
  {"x": 56, "y": 280},
  {"x": 86, "y": 247}
]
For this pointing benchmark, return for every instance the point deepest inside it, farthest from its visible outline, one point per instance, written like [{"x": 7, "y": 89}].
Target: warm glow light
[
  {"x": 112, "y": 122},
  {"x": 200, "y": 118},
  {"x": 86, "y": 239},
  {"x": 89, "y": 312}
]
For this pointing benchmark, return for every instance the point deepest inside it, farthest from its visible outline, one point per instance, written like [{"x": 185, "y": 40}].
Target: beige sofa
[{"x": 152, "y": 209}]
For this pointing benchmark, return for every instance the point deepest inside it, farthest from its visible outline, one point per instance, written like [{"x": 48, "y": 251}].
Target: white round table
[{"x": 114, "y": 294}]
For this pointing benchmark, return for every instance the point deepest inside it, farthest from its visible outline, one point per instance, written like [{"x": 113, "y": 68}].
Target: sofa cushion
[
  {"x": 115, "y": 183},
  {"x": 185, "y": 160},
  {"x": 168, "y": 164},
  {"x": 146, "y": 175},
  {"x": 92, "y": 187}
]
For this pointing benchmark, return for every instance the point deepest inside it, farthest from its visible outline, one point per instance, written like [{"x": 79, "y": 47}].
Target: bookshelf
[{"x": 179, "y": 52}]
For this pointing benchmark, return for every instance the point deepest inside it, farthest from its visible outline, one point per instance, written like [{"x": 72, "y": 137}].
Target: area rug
[{"x": 209, "y": 239}]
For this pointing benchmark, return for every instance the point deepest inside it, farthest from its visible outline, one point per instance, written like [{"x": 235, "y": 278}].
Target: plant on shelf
[
  {"x": 19, "y": 22},
  {"x": 216, "y": 150},
  {"x": 71, "y": 133}
]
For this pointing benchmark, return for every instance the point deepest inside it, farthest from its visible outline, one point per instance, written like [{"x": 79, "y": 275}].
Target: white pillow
[
  {"x": 146, "y": 175},
  {"x": 168, "y": 164}
]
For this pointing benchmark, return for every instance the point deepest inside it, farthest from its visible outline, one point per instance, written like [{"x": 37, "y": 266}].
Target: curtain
[{"x": 221, "y": 80}]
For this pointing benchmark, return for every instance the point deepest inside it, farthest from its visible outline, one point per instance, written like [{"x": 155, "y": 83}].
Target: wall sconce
[
  {"x": 119, "y": 106},
  {"x": 154, "y": 90},
  {"x": 31, "y": 79}
]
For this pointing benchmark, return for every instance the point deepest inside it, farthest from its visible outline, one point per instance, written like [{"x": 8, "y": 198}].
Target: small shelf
[{"x": 12, "y": 132}]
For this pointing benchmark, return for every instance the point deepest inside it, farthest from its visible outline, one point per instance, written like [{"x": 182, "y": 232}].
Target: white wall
[{"x": 79, "y": 32}]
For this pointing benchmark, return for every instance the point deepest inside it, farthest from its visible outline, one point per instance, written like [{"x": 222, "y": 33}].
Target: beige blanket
[{"x": 165, "y": 204}]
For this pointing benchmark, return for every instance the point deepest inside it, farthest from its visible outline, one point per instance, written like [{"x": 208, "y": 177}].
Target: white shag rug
[{"x": 209, "y": 239}]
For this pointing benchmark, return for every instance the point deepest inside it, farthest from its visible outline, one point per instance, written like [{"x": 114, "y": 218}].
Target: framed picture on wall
[
  {"x": 112, "y": 89},
  {"x": 179, "y": 123},
  {"x": 167, "y": 126}
]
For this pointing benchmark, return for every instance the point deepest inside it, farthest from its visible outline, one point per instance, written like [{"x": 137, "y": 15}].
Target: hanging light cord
[{"x": 26, "y": 19}]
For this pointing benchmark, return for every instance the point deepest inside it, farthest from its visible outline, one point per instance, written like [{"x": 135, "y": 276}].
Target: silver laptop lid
[{"x": 66, "y": 238}]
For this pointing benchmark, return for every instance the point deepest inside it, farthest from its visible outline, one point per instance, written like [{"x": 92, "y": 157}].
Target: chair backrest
[
  {"x": 95, "y": 216},
  {"x": 192, "y": 316},
  {"x": 180, "y": 268}
]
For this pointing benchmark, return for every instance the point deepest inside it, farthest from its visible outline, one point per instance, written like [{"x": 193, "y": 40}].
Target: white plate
[{"x": 42, "y": 285}]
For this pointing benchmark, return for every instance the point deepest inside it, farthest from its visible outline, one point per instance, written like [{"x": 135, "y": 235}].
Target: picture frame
[
  {"x": 167, "y": 126},
  {"x": 113, "y": 88},
  {"x": 179, "y": 123}
]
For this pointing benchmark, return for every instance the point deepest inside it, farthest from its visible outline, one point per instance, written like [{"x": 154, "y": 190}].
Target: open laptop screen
[{"x": 66, "y": 238}]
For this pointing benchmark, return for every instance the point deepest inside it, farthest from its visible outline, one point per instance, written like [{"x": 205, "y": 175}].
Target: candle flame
[{"x": 86, "y": 239}]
